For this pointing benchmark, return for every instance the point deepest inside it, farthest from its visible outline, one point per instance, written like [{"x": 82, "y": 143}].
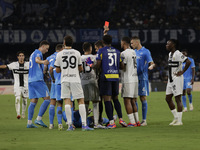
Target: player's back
[
  {"x": 188, "y": 73},
  {"x": 129, "y": 59},
  {"x": 88, "y": 75},
  {"x": 69, "y": 60},
  {"x": 110, "y": 59},
  {"x": 35, "y": 69},
  {"x": 143, "y": 60}
]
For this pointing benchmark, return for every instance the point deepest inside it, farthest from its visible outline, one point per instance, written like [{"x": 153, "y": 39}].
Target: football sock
[
  {"x": 31, "y": 110},
  {"x": 68, "y": 113},
  {"x": 17, "y": 105},
  {"x": 131, "y": 118},
  {"x": 109, "y": 109},
  {"x": 184, "y": 101},
  {"x": 64, "y": 116},
  {"x": 174, "y": 112},
  {"x": 51, "y": 113},
  {"x": 144, "y": 109},
  {"x": 105, "y": 120},
  {"x": 190, "y": 98},
  {"x": 24, "y": 104},
  {"x": 72, "y": 109},
  {"x": 86, "y": 108},
  {"x": 43, "y": 107},
  {"x": 59, "y": 115},
  {"x": 179, "y": 116},
  {"x": 96, "y": 112},
  {"x": 118, "y": 108},
  {"x": 100, "y": 110},
  {"x": 82, "y": 112},
  {"x": 136, "y": 116}
]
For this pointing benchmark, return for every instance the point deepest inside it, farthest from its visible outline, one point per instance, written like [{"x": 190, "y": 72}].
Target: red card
[{"x": 107, "y": 23}]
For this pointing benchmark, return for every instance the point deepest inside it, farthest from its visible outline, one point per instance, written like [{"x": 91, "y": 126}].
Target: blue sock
[
  {"x": 72, "y": 109},
  {"x": 184, "y": 101},
  {"x": 136, "y": 105},
  {"x": 144, "y": 110},
  {"x": 51, "y": 113},
  {"x": 64, "y": 116},
  {"x": 118, "y": 108},
  {"x": 105, "y": 121},
  {"x": 109, "y": 109},
  {"x": 43, "y": 107},
  {"x": 190, "y": 98},
  {"x": 59, "y": 115},
  {"x": 31, "y": 110}
]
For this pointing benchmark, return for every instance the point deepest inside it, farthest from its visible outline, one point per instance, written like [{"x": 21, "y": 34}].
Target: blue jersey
[
  {"x": 143, "y": 59},
  {"x": 35, "y": 69},
  {"x": 51, "y": 59},
  {"x": 188, "y": 73},
  {"x": 110, "y": 59},
  {"x": 57, "y": 76}
]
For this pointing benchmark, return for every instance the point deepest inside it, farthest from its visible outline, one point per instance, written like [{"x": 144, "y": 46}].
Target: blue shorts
[
  {"x": 58, "y": 92},
  {"x": 187, "y": 84},
  {"x": 38, "y": 89},
  {"x": 143, "y": 88},
  {"x": 53, "y": 91},
  {"x": 110, "y": 88}
]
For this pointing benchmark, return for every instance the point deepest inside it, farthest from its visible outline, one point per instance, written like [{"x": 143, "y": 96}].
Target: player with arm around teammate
[
  {"x": 130, "y": 82},
  {"x": 69, "y": 63},
  {"x": 20, "y": 70},
  {"x": 175, "y": 80},
  {"x": 36, "y": 85},
  {"x": 144, "y": 62},
  {"x": 188, "y": 82}
]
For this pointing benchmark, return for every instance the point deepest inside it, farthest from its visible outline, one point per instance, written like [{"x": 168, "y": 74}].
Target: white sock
[
  {"x": 131, "y": 118},
  {"x": 17, "y": 105},
  {"x": 68, "y": 113},
  {"x": 24, "y": 104},
  {"x": 111, "y": 121},
  {"x": 179, "y": 116},
  {"x": 174, "y": 112},
  {"x": 39, "y": 118},
  {"x": 96, "y": 112},
  {"x": 29, "y": 121},
  {"x": 136, "y": 116},
  {"x": 86, "y": 108},
  {"x": 82, "y": 114}
]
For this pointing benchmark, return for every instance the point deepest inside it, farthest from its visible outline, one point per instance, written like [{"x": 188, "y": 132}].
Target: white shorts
[
  {"x": 21, "y": 91},
  {"x": 91, "y": 92},
  {"x": 130, "y": 90},
  {"x": 175, "y": 87},
  {"x": 73, "y": 89}
]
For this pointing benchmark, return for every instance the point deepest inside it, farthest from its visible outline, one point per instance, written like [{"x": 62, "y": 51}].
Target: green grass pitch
[{"x": 158, "y": 135}]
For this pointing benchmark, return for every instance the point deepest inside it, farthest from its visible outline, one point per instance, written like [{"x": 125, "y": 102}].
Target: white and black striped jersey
[
  {"x": 175, "y": 64},
  {"x": 20, "y": 73}
]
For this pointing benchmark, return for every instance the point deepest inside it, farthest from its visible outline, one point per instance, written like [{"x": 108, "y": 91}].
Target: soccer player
[
  {"x": 53, "y": 91},
  {"x": 175, "y": 80},
  {"x": 188, "y": 82},
  {"x": 109, "y": 61},
  {"x": 89, "y": 83},
  {"x": 69, "y": 63},
  {"x": 130, "y": 82},
  {"x": 144, "y": 62},
  {"x": 36, "y": 85},
  {"x": 20, "y": 70}
]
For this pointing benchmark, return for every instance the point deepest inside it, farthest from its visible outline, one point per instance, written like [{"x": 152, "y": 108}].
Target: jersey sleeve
[
  {"x": 181, "y": 57},
  {"x": 148, "y": 56},
  {"x": 99, "y": 55},
  {"x": 57, "y": 61},
  {"x": 123, "y": 58},
  {"x": 52, "y": 63},
  {"x": 10, "y": 66},
  {"x": 192, "y": 63}
]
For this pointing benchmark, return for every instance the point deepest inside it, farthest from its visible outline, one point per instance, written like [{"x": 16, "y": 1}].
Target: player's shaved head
[
  {"x": 135, "y": 38},
  {"x": 86, "y": 46},
  {"x": 175, "y": 43},
  {"x": 107, "y": 39},
  {"x": 68, "y": 41}
]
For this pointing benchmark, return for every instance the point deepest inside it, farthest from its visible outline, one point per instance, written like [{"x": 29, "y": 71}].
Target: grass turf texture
[{"x": 157, "y": 135}]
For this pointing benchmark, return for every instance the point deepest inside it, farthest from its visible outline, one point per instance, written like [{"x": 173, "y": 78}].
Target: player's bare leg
[
  {"x": 24, "y": 105},
  {"x": 129, "y": 111},
  {"x": 179, "y": 108},
  {"x": 135, "y": 111}
]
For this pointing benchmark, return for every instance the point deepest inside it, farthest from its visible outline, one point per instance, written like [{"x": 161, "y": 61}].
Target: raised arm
[{"x": 3, "y": 66}]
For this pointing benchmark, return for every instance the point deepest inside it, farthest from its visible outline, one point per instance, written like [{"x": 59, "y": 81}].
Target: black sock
[
  {"x": 108, "y": 108},
  {"x": 100, "y": 110},
  {"x": 118, "y": 108}
]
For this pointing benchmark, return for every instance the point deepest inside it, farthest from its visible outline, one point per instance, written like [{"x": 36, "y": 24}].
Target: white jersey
[
  {"x": 175, "y": 64},
  {"x": 129, "y": 59},
  {"x": 88, "y": 75},
  {"x": 20, "y": 73},
  {"x": 68, "y": 60}
]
